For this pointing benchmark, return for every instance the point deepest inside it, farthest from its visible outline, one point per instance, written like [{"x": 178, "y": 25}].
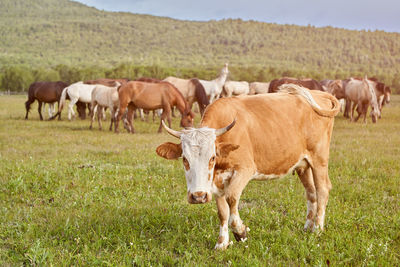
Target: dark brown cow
[{"x": 307, "y": 83}]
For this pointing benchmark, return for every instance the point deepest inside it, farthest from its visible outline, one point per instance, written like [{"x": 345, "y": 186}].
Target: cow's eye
[
  {"x": 186, "y": 163},
  {"x": 211, "y": 163}
]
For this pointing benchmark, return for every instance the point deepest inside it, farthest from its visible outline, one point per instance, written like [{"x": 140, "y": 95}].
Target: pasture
[{"x": 74, "y": 196}]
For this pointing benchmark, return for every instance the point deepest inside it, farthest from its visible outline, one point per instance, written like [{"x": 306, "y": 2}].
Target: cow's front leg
[
  {"x": 236, "y": 186},
  {"x": 223, "y": 214},
  {"x": 239, "y": 230}
]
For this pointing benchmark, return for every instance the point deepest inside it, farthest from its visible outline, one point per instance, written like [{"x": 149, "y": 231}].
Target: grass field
[{"x": 71, "y": 196}]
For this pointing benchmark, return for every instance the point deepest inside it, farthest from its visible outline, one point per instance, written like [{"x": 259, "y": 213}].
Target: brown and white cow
[{"x": 257, "y": 137}]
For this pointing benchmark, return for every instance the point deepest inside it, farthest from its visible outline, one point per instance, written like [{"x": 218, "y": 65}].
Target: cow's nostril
[{"x": 199, "y": 197}]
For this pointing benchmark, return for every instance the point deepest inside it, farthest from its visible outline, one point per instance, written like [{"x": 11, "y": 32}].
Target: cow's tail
[
  {"x": 62, "y": 103},
  {"x": 295, "y": 89}
]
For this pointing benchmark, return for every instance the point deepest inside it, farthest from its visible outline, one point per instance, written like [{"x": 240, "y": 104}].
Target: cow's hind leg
[
  {"x": 306, "y": 177},
  {"x": 323, "y": 186}
]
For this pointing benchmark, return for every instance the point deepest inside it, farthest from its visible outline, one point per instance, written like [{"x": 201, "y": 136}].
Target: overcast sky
[{"x": 349, "y": 14}]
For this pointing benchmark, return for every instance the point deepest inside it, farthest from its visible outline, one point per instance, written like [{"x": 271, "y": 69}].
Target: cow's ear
[
  {"x": 169, "y": 150},
  {"x": 223, "y": 149}
]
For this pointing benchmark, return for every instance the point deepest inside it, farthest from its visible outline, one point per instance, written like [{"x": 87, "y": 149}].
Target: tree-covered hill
[{"x": 47, "y": 33}]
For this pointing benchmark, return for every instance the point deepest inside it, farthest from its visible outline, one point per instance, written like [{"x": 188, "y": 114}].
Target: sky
[{"x": 349, "y": 14}]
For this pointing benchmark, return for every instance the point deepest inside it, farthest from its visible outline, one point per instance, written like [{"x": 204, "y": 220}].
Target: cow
[{"x": 259, "y": 137}]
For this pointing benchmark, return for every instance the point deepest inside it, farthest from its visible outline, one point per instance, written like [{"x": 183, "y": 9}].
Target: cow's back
[{"x": 274, "y": 130}]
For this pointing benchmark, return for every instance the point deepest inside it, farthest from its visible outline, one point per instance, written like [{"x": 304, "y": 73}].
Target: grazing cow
[
  {"x": 231, "y": 88},
  {"x": 307, "y": 83},
  {"x": 257, "y": 138},
  {"x": 258, "y": 88},
  {"x": 361, "y": 94}
]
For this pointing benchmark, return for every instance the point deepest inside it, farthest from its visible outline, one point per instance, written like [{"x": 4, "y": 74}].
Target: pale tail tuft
[{"x": 295, "y": 89}]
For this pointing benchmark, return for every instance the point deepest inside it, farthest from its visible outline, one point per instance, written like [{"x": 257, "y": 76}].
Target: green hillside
[{"x": 47, "y": 33}]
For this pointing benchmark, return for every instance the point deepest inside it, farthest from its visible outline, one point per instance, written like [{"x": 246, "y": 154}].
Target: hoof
[
  {"x": 309, "y": 226},
  {"x": 222, "y": 246},
  {"x": 243, "y": 236}
]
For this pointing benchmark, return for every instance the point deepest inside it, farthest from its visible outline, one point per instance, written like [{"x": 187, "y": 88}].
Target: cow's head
[{"x": 199, "y": 155}]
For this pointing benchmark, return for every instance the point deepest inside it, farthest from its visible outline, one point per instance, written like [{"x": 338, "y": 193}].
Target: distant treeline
[{"x": 18, "y": 78}]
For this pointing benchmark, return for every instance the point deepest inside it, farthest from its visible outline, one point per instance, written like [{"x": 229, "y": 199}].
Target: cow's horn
[
  {"x": 170, "y": 131},
  {"x": 221, "y": 131}
]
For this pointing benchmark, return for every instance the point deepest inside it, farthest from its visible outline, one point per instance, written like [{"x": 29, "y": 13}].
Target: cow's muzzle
[{"x": 199, "y": 197}]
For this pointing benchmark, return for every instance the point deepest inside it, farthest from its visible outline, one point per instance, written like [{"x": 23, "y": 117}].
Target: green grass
[{"x": 71, "y": 196}]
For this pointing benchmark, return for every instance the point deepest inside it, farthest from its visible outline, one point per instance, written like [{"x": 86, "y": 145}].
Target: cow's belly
[{"x": 302, "y": 163}]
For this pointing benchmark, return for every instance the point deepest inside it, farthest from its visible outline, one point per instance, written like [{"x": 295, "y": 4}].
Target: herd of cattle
[
  {"x": 259, "y": 137},
  {"x": 147, "y": 94}
]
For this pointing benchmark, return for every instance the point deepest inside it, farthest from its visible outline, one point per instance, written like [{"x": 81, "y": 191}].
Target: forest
[{"x": 62, "y": 39}]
